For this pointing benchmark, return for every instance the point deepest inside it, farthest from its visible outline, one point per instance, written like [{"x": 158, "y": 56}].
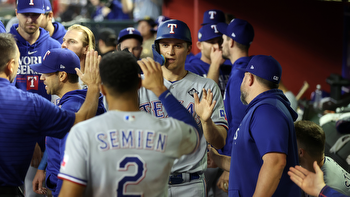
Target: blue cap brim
[
  {"x": 210, "y": 37},
  {"x": 31, "y": 10},
  {"x": 222, "y": 28},
  {"x": 41, "y": 68}
]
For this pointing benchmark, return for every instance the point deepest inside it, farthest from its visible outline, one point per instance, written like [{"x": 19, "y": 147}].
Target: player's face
[
  {"x": 133, "y": 45},
  {"x": 45, "y": 21},
  {"x": 243, "y": 90},
  {"x": 144, "y": 28},
  {"x": 225, "y": 46},
  {"x": 16, "y": 64},
  {"x": 175, "y": 52},
  {"x": 29, "y": 22},
  {"x": 73, "y": 40},
  {"x": 51, "y": 81},
  {"x": 207, "y": 46}
]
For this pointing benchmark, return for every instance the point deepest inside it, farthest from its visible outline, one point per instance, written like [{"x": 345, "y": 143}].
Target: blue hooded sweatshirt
[
  {"x": 59, "y": 32},
  {"x": 71, "y": 101},
  {"x": 27, "y": 79},
  {"x": 268, "y": 127}
]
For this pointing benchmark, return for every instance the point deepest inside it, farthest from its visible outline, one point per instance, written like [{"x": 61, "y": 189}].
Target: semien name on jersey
[{"x": 132, "y": 139}]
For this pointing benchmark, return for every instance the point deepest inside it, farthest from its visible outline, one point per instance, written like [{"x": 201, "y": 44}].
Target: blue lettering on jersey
[
  {"x": 127, "y": 139},
  {"x": 131, "y": 139},
  {"x": 145, "y": 107},
  {"x": 149, "y": 139},
  {"x": 114, "y": 139},
  {"x": 102, "y": 137},
  {"x": 161, "y": 142},
  {"x": 139, "y": 136},
  {"x": 157, "y": 109}
]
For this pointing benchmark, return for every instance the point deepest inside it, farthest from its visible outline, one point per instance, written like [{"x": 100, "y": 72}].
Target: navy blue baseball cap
[
  {"x": 30, "y": 6},
  {"x": 58, "y": 59},
  {"x": 174, "y": 29},
  {"x": 213, "y": 17},
  {"x": 129, "y": 32},
  {"x": 265, "y": 67},
  {"x": 159, "y": 21},
  {"x": 239, "y": 30},
  {"x": 48, "y": 7},
  {"x": 208, "y": 32}
]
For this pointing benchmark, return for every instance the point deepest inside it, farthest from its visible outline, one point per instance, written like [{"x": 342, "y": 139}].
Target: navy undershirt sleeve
[{"x": 176, "y": 110}]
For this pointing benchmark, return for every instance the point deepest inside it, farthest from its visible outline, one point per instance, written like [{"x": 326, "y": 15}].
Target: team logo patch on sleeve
[
  {"x": 192, "y": 91},
  {"x": 65, "y": 160},
  {"x": 222, "y": 113}
]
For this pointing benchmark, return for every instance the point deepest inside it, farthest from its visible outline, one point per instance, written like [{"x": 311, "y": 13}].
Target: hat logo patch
[
  {"x": 233, "y": 35},
  {"x": 252, "y": 67},
  {"x": 62, "y": 67},
  {"x": 172, "y": 26},
  {"x": 212, "y": 14},
  {"x": 47, "y": 7},
  {"x": 215, "y": 29},
  {"x": 199, "y": 35},
  {"x": 275, "y": 78},
  {"x": 130, "y": 30},
  {"x": 31, "y": 2}
]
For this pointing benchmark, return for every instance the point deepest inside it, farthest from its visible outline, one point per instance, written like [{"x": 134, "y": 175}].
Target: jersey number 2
[{"x": 139, "y": 175}]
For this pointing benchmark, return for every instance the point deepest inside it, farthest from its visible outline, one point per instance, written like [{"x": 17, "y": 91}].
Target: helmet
[{"x": 174, "y": 29}]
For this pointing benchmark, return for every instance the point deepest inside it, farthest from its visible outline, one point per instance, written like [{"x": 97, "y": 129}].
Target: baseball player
[
  {"x": 126, "y": 152},
  {"x": 174, "y": 43},
  {"x": 60, "y": 78},
  {"x": 212, "y": 17},
  {"x": 80, "y": 40},
  {"x": 26, "y": 117},
  {"x": 55, "y": 29},
  {"x": 209, "y": 42},
  {"x": 33, "y": 42},
  {"x": 131, "y": 39}
]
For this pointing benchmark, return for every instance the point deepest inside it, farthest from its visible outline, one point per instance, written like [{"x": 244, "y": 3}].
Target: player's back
[{"x": 126, "y": 153}]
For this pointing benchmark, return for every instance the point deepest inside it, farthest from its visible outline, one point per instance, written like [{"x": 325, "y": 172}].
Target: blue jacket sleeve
[
  {"x": 176, "y": 110},
  {"x": 330, "y": 192}
]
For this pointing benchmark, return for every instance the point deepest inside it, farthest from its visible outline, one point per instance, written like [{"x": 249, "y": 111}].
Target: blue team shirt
[
  {"x": 197, "y": 66},
  {"x": 27, "y": 79},
  {"x": 71, "y": 101},
  {"x": 2, "y": 28},
  {"x": 24, "y": 118},
  {"x": 59, "y": 32},
  {"x": 267, "y": 127},
  {"x": 235, "y": 110}
]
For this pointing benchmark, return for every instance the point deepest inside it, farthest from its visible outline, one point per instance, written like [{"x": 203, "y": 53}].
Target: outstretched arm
[
  {"x": 221, "y": 161},
  {"x": 309, "y": 182},
  {"x": 91, "y": 77},
  {"x": 214, "y": 134}
]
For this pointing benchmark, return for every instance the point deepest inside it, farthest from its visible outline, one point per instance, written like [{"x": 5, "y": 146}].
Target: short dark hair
[
  {"x": 108, "y": 36},
  {"x": 310, "y": 137},
  {"x": 267, "y": 83},
  {"x": 7, "y": 49},
  {"x": 242, "y": 47},
  {"x": 120, "y": 72},
  {"x": 72, "y": 78}
]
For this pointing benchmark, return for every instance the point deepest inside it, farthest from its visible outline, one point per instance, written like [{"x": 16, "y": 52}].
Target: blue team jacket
[{"x": 71, "y": 101}]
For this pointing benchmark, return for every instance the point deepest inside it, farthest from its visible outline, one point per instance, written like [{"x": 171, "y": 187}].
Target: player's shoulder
[{"x": 201, "y": 81}]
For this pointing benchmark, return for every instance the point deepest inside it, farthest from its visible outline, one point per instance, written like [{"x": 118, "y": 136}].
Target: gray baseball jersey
[
  {"x": 183, "y": 91},
  {"x": 335, "y": 176},
  {"x": 122, "y": 153}
]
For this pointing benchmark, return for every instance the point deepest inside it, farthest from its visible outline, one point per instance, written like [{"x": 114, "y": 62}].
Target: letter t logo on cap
[
  {"x": 130, "y": 30},
  {"x": 212, "y": 14},
  {"x": 172, "y": 26}
]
